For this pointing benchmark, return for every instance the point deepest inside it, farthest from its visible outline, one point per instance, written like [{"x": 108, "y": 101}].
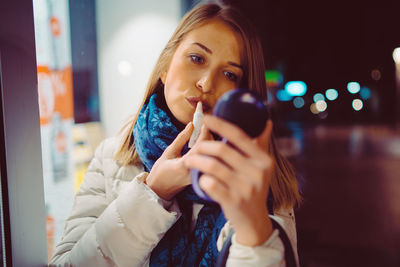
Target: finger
[
  {"x": 175, "y": 148},
  {"x": 214, "y": 189},
  {"x": 204, "y": 134},
  {"x": 264, "y": 139},
  {"x": 236, "y": 136},
  {"x": 210, "y": 165},
  {"x": 222, "y": 152},
  {"x": 244, "y": 168}
]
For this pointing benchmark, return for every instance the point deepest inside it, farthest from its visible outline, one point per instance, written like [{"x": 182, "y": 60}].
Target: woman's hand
[
  {"x": 169, "y": 174},
  {"x": 237, "y": 178}
]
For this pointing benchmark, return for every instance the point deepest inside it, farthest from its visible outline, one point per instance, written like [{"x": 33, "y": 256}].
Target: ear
[{"x": 163, "y": 76}]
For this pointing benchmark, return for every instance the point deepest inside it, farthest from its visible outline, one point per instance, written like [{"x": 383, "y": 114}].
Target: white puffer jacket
[{"x": 117, "y": 220}]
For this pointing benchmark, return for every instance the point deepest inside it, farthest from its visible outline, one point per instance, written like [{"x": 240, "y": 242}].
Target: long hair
[{"x": 283, "y": 184}]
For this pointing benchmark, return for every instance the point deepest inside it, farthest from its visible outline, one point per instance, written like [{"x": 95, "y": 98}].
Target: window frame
[{"x": 23, "y": 208}]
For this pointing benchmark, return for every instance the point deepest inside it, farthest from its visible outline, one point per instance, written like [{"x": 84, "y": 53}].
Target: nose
[{"x": 205, "y": 83}]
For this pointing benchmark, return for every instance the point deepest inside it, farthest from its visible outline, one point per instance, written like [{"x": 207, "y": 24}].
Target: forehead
[{"x": 218, "y": 37}]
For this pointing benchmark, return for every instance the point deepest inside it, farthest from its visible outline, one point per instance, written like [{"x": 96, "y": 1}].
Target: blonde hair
[{"x": 284, "y": 184}]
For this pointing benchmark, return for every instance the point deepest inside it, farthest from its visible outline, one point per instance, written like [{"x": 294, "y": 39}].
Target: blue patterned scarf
[{"x": 153, "y": 133}]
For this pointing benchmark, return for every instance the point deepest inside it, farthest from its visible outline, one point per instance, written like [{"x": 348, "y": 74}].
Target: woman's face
[{"x": 205, "y": 65}]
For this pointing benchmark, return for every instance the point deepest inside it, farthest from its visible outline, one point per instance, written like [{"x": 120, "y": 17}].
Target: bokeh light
[
  {"x": 353, "y": 87},
  {"x": 396, "y": 55},
  {"x": 313, "y": 108},
  {"x": 357, "y": 104},
  {"x": 296, "y": 88},
  {"x": 331, "y": 94},
  {"x": 321, "y": 105},
  {"x": 317, "y": 97},
  {"x": 323, "y": 115},
  {"x": 273, "y": 78},
  {"x": 365, "y": 93},
  {"x": 376, "y": 74},
  {"x": 282, "y": 95},
  {"x": 298, "y": 102}
]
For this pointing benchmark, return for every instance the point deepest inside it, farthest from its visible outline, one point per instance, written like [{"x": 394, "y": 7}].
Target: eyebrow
[
  {"x": 235, "y": 64},
  {"x": 208, "y": 50}
]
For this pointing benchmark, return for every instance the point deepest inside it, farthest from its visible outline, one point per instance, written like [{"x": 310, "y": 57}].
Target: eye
[
  {"x": 231, "y": 76},
  {"x": 197, "y": 59}
]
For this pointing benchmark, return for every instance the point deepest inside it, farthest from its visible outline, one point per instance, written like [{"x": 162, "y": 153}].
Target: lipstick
[
  {"x": 193, "y": 100},
  {"x": 197, "y": 122}
]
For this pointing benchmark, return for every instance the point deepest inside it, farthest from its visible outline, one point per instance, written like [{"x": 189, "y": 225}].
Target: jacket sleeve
[
  {"x": 270, "y": 254},
  {"x": 113, "y": 232}
]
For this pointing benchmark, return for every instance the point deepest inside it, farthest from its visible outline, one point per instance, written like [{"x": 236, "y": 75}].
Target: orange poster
[{"x": 55, "y": 93}]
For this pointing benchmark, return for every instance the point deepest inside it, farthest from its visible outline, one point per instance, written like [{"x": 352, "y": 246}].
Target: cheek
[
  {"x": 171, "y": 87},
  {"x": 169, "y": 97},
  {"x": 224, "y": 85},
  {"x": 176, "y": 82},
  {"x": 175, "y": 100},
  {"x": 222, "y": 91},
  {"x": 217, "y": 95}
]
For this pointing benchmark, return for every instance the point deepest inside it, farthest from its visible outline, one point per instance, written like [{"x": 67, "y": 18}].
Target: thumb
[{"x": 175, "y": 148}]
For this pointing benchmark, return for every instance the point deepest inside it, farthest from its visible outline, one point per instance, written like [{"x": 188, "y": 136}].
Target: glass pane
[
  {"x": 76, "y": 40},
  {"x": 3, "y": 243},
  {"x": 54, "y": 69},
  {"x": 94, "y": 60}
]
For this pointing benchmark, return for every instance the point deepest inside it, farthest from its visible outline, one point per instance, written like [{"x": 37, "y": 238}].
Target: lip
[{"x": 193, "y": 101}]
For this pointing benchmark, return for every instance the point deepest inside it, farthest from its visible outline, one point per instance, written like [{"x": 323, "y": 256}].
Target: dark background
[
  {"x": 84, "y": 60},
  {"x": 328, "y": 44}
]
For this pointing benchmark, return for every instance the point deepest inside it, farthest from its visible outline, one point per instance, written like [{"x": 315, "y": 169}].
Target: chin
[
  {"x": 182, "y": 115},
  {"x": 182, "y": 118},
  {"x": 185, "y": 121}
]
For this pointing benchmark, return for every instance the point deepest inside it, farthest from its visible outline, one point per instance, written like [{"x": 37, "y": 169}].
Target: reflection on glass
[
  {"x": 73, "y": 40},
  {"x": 54, "y": 69}
]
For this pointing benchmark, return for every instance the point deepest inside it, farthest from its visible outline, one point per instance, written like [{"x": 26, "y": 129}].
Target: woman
[{"x": 136, "y": 206}]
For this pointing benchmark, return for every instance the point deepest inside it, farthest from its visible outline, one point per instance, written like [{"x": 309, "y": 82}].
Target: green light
[{"x": 273, "y": 77}]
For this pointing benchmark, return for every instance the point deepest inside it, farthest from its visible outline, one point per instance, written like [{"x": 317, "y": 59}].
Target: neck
[{"x": 180, "y": 126}]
